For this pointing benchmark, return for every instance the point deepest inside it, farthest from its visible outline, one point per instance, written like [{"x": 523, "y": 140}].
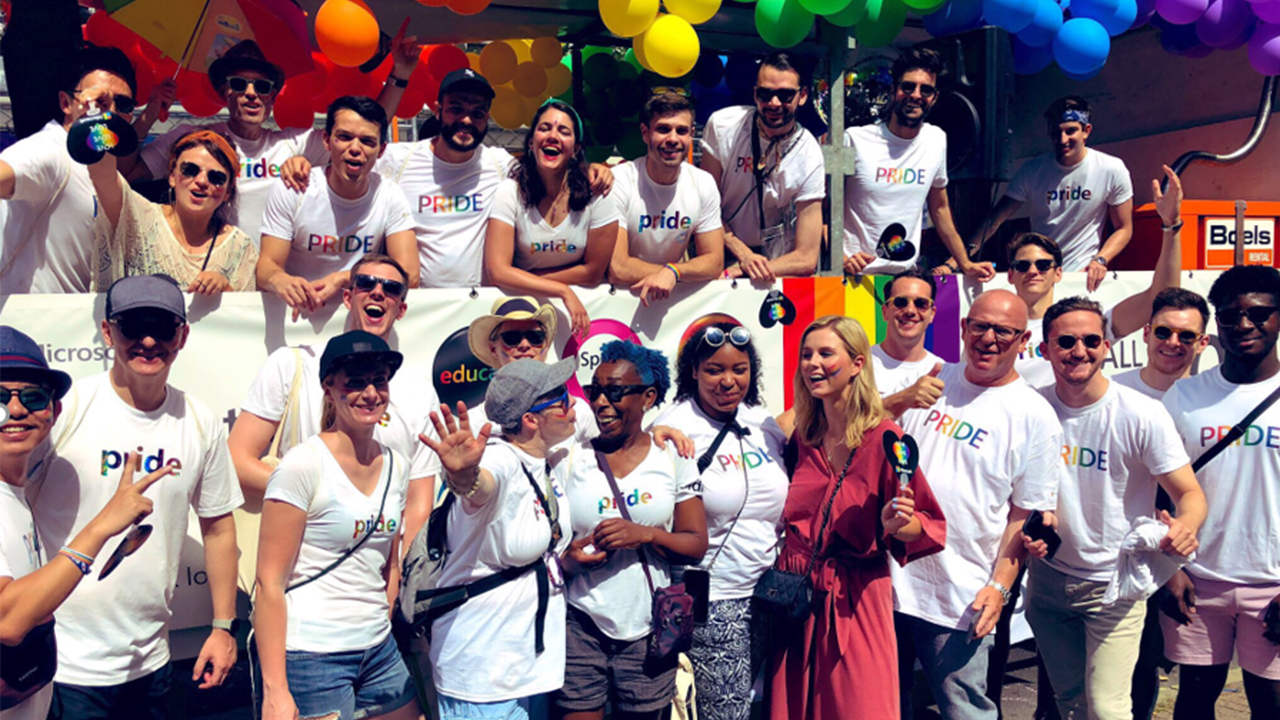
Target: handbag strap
[
  {"x": 746, "y": 481},
  {"x": 826, "y": 514},
  {"x": 621, "y": 502},
  {"x": 1236, "y": 431},
  {"x": 391, "y": 466}
]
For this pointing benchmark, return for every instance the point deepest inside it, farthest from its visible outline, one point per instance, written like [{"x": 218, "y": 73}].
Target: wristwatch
[
  {"x": 232, "y": 626},
  {"x": 397, "y": 81},
  {"x": 1101, "y": 261},
  {"x": 1172, "y": 228},
  {"x": 1004, "y": 591}
]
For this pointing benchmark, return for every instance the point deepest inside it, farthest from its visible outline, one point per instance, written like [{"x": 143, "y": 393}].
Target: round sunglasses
[
  {"x": 1186, "y": 337},
  {"x": 191, "y": 171},
  {"x": 1068, "y": 342},
  {"x": 715, "y": 336},
  {"x": 34, "y": 399}
]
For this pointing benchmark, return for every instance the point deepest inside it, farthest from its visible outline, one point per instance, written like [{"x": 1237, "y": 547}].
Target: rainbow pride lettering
[
  {"x": 335, "y": 245},
  {"x": 635, "y": 498},
  {"x": 956, "y": 429},
  {"x": 900, "y": 176},
  {"x": 381, "y": 524},
  {"x": 1084, "y": 457},
  {"x": 744, "y": 164},
  {"x": 751, "y": 459},
  {"x": 112, "y": 460},
  {"x": 554, "y": 246},
  {"x": 663, "y": 221},
  {"x": 456, "y": 204},
  {"x": 260, "y": 169},
  {"x": 1254, "y": 435}
]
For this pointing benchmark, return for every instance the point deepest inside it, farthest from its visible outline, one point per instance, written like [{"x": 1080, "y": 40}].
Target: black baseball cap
[
  {"x": 465, "y": 80},
  {"x": 357, "y": 345}
]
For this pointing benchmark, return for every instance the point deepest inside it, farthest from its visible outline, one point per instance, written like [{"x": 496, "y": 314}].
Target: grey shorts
[{"x": 599, "y": 668}]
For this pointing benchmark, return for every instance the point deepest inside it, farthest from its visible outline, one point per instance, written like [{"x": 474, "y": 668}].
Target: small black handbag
[{"x": 28, "y": 666}]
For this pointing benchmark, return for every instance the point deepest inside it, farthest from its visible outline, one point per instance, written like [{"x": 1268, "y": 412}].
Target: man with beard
[
  {"x": 901, "y": 165},
  {"x": 664, "y": 202},
  {"x": 1227, "y": 601},
  {"x": 771, "y": 177},
  {"x": 1072, "y": 193}
]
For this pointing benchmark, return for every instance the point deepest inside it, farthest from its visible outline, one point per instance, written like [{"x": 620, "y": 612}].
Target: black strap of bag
[
  {"x": 826, "y": 514},
  {"x": 373, "y": 526},
  {"x": 1237, "y": 431},
  {"x": 621, "y": 502},
  {"x": 705, "y": 461}
]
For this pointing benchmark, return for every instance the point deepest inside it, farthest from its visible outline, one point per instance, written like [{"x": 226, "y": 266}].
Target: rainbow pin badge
[{"x": 903, "y": 455}]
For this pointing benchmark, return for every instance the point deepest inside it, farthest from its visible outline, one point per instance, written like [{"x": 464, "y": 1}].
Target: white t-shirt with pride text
[
  {"x": 538, "y": 246},
  {"x": 661, "y": 220},
  {"x": 449, "y": 204},
  {"x": 1069, "y": 204},
  {"x": 894, "y": 376},
  {"x": 1112, "y": 450},
  {"x": 329, "y": 232},
  {"x": 747, "y": 479},
  {"x": 484, "y": 651},
  {"x": 117, "y": 630},
  {"x": 346, "y": 609},
  {"x": 21, "y": 555},
  {"x": 1133, "y": 379},
  {"x": 47, "y": 249},
  {"x": 982, "y": 449},
  {"x": 615, "y": 594},
  {"x": 412, "y": 399},
  {"x": 890, "y": 187},
  {"x": 1240, "y": 537},
  {"x": 797, "y": 177},
  {"x": 260, "y": 162}
]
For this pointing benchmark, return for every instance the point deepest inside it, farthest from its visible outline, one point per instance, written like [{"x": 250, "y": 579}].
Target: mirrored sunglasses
[{"x": 739, "y": 336}]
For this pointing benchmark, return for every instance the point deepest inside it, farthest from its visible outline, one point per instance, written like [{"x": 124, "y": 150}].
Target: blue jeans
[
  {"x": 519, "y": 709},
  {"x": 955, "y": 666},
  {"x": 146, "y": 698},
  {"x": 355, "y": 684}
]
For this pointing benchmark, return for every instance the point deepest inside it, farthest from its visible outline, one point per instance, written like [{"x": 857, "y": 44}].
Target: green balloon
[
  {"x": 851, "y": 15},
  {"x": 882, "y": 24},
  {"x": 631, "y": 59},
  {"x": 823, "y": 7},
  {"x": 600, "y": 70},
  {"x": 925, "y": 6},
  {"x": 599, "y": 153},
  {"x": 783, "y": 23},
  {"x": 632, "y": 146}
]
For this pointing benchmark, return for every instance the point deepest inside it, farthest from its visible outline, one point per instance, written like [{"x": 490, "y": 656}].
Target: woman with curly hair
[
  {"x": 612, "y": 558},
  {"x": 546, "y": 231}
]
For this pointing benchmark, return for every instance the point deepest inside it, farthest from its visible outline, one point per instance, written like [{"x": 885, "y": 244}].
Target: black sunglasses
[
  {"x": 1186, "y": 337},
  {"x": 240, "y": 84},
  {"x": 123, "y": 104},
  {"x": 766, "y": 95},
  {"x": 130, "y": 545},
  {"x": 1044, "y": 265},
  {"x": 1068, "y": 342},
  {"x": 902, "y": 301},
  {"x": 136, "y": 326},
  {"x": 909, "y": 88},
  {"x": 366, "y": 283},
  {"x": 1257, "y": 315},
  {"x": 537, "y": 337},
  {"x": 715, "y": 336},
  {"x": 614, "y": 393},
  {"x": 34, "y": 399},
  {"x": 216, "y": 178}
]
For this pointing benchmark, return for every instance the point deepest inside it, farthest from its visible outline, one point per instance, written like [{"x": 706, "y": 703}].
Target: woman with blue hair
[{"x": 635, "y": 510}]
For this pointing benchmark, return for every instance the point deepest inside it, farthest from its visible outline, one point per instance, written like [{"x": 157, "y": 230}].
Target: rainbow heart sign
[
  {"x": 815, "y": 297},
  {"x": 903, "y": 455}
]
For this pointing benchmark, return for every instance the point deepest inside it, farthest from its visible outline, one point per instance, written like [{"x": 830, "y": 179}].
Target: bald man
[{"x": 989, "y": 447}]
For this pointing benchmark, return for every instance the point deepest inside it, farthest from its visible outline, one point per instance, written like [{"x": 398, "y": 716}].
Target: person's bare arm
[
  {"x": 1134, "y": 311},
  {"x": 163, "y": 95},
  {"x": 278, "y": 545},
  {"x": 595, "y": 263},
  {"x": 221, "y": 561},
  {"x": 989, "y": 602},
  {"x": 6, "y": 180},
  {"x": 686, "y": 543},
  {"x": 403, "y": 248},
  {"x": 1189, "y": 499},
  {"x": 418, "y": 504},
  {"x": 1004, "y": 209},
  {"x": 940, "y": 212},
  {"x": 249, "y": 438},
  {"x": 1122, "y": 223},
  {"x": 803, "y": 260},
  {"x": 460, "y": 453},
  {"x": 713, "y": 166},
  {"x": 108, "y": 187},
  {"x": 404, "y": 51},
  {"x": 499, "y": 251},
  {"x": 298, "y": 293},
  {"x": 708, "y": 264},
  {"x": 625, "y": 269}
]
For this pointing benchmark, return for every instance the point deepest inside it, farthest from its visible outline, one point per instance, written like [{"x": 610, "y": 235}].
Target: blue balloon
[
  {"x": 1117, "y": 16},
  {"x": 1082, "y": 46},
  {"x": 1012, "y": 15},
  {"x": 1028, "y": 59},
  {"x": 956, "y": 16},
  {"x": 1082, "y": 76},
  {"x": 1044, "y": 26}
]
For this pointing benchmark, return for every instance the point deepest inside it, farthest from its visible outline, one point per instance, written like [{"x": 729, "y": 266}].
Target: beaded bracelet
[
  {"x": 82, "y": 562},
  {"x": 673, "y": 270}
]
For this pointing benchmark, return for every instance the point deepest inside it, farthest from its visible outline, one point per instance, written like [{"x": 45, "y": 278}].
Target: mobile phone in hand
[{"x": 1036, "y": 529}]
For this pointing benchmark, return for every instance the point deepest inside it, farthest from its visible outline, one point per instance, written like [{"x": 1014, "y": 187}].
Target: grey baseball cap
[
  {"x": 159, "y": 292},
  {"x": 516, "y": 386}
]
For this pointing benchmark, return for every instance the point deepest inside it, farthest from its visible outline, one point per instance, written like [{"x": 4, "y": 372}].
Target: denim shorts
[
  {"x": 518, "y": 709},
  {"x": 355, "y": 684}
]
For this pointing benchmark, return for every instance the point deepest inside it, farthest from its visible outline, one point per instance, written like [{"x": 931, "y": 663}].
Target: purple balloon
[
  {"x": 1028, "y": 59},
  {"x": 1223, "y": 22},
  {"x": 1181, "y": 12},
  {"x": 1268, "y": 12},
  {"x": 1264, "y": 49},
  {"x": 1146, "y": 10},
  {"x": 1243, "y": 37}
]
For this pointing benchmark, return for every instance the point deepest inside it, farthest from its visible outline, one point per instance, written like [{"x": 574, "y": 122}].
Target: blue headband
[{"x": 1080, "y": 116}]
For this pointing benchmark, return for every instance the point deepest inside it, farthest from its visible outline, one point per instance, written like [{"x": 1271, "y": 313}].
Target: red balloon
[
  {"x": 468, "y": 7},
  {"x": 410, "y": 105},
  {"x": 444, "y": 59},
  {"x": 197, "y": 95},
  {"x": 433, "y": 3},
  {"x": 309, "y": 85},
  {"x": 293, "y": 108},
  {"x": 146, "y": 76}
]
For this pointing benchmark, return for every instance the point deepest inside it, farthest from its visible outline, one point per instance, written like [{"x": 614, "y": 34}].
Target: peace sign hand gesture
[{"x": 128, "y": 506}]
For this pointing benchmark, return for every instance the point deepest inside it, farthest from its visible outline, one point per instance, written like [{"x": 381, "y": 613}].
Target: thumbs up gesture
[
  {"x": 926, "y": 391},
  {"x": 1180, "y": 540}
]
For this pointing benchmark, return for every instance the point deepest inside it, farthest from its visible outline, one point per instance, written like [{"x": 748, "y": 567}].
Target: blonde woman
[{"x": 845, "y": 505}]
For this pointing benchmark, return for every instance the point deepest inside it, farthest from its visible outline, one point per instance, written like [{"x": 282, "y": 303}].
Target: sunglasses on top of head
[
  {"x": 1186, "y": 337},
  {"x": 1092, "y": 341},
  {"x": 909, "y": 88},
  {"x": 1043, "y": 265},
  {"x": 366, "y": 283},
  {"x": 34, "y": 399},
  {"x": 715, "y": 336},
  {"x": 785, "y": 95},
  {"x": 613, "y": 393},
  {"x": 191, "y": 171},
  {"x": 241, "y": 84}
]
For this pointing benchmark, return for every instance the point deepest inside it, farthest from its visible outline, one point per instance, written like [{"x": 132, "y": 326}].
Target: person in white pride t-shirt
[
  {"x": 329, "y": 553},
  {"x": 546, "y": 232},
  {"x": 663, "y": 204},
  {"x": 783, "y": 237},
  {"x": 991, "y": 444},
  {"x": 113, "y": 639},
  {"x": 906, "y": 372},
  {"x": 1071, "y": 193},
  {"x": 1119, "y": 446},
  {"x": 46, "y": 230},
  {"x": 1175, "y": 336},
  {"x": 1227, "y": 601},
  {"x": 496, "y": 653},
  {"x": 901, "y": 167},
  {"x": 311, "y": 240},
  {"x": 33, "y": 582}
]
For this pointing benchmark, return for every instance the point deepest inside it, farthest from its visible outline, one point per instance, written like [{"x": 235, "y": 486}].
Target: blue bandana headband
[{"x": 1080, "y": 116}]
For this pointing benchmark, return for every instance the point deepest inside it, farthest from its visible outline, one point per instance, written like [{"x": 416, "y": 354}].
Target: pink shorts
[{"x": 1228, "y": 618}]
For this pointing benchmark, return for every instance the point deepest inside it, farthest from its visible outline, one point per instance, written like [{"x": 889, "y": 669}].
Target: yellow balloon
[
  {"x": 559, "y": 80},
  {"x": 671, "y": 46},
  {"x": 628, "y": 18},
  {"x": 474, "y": 59},
  {"x": 695, "y": 11},
  {"x": 498, "y": 63},
  {"x": 530, "y": 80},
  {"x": 508, "y": 108},
  {"x": 523, "y": 48},
  {"x": 546, "y": 51},
  {"x": 637, "y": 44}
]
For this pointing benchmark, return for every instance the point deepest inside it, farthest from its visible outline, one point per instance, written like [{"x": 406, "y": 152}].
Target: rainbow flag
[{"x": 819, "y": 296}]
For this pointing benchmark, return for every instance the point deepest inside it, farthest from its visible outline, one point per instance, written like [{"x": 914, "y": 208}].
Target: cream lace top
[{"x": 142, "y": 243}]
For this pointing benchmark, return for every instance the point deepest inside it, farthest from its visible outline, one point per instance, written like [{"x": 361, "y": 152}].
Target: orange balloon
[
  {"x": 546, "y": 51},
  {"x": 559, "y": 80},
  {"x": 530, "y": 79},
  {"x": 468, "y": 7},
  {"x": 347, "y": 31}
]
